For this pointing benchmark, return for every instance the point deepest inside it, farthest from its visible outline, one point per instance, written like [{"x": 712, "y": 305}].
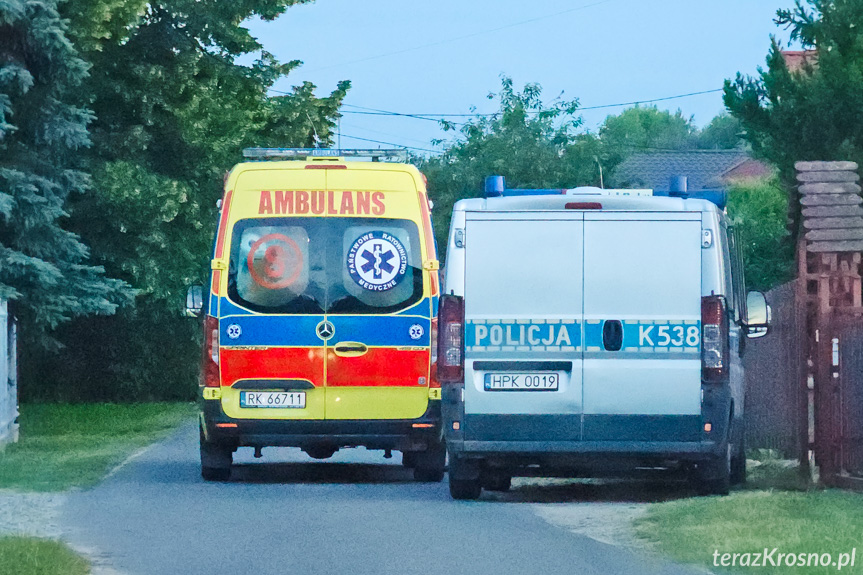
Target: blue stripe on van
[
  {"x": 648, "y": 335},
  {"x": 526, "y": 335},
  {"x": 378, "y": 330},
  {"x": 275, "y": 330}
]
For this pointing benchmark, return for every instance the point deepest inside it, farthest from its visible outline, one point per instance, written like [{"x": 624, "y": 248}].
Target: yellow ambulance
[{"x": 320, "y": 316}]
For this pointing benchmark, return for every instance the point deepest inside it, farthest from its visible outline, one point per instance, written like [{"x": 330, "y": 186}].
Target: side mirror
[
  {"x": 758, "y": 314},
  {"x": 195, "y": 301}
]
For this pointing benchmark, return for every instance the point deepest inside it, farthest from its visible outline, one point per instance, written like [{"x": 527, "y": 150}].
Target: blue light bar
[
  {"x": 495, "y": 187},
  {"x": 718, "y": 197}
]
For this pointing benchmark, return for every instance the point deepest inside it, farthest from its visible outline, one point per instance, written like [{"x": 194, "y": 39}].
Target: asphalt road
[{"x": 356, "y": 513}]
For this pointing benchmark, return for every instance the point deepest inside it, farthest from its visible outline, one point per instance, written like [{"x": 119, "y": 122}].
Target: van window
[
  {"x": 325, "y": 265},
  {"x": 737, "y": 274}
]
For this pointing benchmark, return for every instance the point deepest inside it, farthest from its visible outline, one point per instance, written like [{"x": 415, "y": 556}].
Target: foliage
[
  {"x": 173, "y": 109},
  {"x": 43, "y": 265},
  {"x": 531, "y": 144},
  {"x": 758, "y": 212},
  {"x": 724, "y": 132},
  {"x": 32, "y": 556},
  {"x": 647, "y": 128},
  {"x": 812, "y": 113},
  {"x": 64, "y": 446}
]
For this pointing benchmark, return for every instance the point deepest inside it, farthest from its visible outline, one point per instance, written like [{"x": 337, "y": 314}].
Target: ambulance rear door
[{"x": 379, "y": 304}]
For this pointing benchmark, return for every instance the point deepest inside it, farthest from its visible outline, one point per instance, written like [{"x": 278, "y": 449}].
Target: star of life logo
[{"x": 377, "y": 261}]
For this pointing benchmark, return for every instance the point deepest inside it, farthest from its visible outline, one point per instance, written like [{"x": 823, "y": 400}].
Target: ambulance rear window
[{"x": 325, "y": 265}]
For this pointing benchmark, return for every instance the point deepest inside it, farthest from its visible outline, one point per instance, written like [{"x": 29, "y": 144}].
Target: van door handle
[{"x": 350, "y": 349}]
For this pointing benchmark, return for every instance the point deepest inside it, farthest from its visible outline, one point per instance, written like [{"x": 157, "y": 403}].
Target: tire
[
  {"x": 498, "y": 482},
  {"x": 216, "y": 460},
  {"x": 714, "y": 477},
  {"x": 464, "y": 479},
  {"x": 409, "y": 459},
  {"x": 429, "y": 465},
  {"x": 738, "y": 464},
  {"x": 463, "y": 489}
]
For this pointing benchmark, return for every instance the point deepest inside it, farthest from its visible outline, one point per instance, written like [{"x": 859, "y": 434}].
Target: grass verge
[
  {"x": 32, "y": 556},
  {"x": 63, "y": 446},
  {"x": 790, "y": 519}
]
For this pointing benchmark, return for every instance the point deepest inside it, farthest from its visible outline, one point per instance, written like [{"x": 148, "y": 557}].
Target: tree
[
  {"x": 724, "y": 132},
  {"x": 758, "y": 211},
  {"x": 44, "y": 266},
  {"x": 531, "y": 144},
  {"x": 174, "y": 108},
  {"x": 647, "y": 128},
  {"x": 811, "y": 113}
]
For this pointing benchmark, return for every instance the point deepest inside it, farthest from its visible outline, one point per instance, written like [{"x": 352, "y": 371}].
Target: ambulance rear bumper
[{"x": 401, "y": 434}]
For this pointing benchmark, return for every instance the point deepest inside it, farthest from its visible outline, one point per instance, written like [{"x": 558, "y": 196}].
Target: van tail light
[
  {"x": 714, "y": 339},
  {"x": 450, "y": 354},
  {"x": 210, "y": 360}
]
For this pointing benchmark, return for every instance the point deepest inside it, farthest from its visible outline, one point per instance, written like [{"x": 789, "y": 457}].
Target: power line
[
  {"x": 389, "y": 143},
  {"x": 436, "y": 116},
  {"x": 458, "y": 38},
  {"x": 665, "y": 99}
]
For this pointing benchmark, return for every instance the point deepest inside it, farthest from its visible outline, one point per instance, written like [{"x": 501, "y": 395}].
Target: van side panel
[{"x": 644, "y": 274}]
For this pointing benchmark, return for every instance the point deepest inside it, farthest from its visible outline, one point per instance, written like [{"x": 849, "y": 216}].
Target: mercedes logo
[{"x": 325, "y": 330}]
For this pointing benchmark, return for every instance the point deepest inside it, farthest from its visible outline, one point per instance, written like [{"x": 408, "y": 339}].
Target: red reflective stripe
[
  {"x": 274, "y": 363},
  {"x": 217, "y": 279},
  {"x": 379, "y": 367}
]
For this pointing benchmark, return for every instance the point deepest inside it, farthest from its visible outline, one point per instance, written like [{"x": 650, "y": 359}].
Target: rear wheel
[
  {"x": 714, "y": 477},
  {"x": 216, "y": 460},
  {"x": 738, "y": 461},
  {"x": 429, "y": 465},
  {"x": 409, "y": 459},
  {"x": 464, "y": 479}
]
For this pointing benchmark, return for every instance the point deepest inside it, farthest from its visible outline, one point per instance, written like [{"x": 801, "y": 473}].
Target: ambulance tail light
[
  {"x": 714, "y": 339},
  {"x": 450, "y": 355},
  {"x": 210, "y": 361},
  {"x": 433, "y": 340}
]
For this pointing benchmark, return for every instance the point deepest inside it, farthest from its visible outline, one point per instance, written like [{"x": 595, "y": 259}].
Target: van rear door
[
  {"x": 642, "y": 312},
  {"x": 523, "y": 298},
  {"x": 270, "y": 319},
  {"x": 378, "y": 302}
]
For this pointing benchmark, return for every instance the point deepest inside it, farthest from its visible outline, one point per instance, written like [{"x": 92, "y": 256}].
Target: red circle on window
[{"x": 276, "y": 259}]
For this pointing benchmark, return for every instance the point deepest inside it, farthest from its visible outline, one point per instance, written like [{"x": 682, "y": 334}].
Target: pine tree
[
  {"x": 43, "y": 266},
  {"x": 174, "y": 106}
]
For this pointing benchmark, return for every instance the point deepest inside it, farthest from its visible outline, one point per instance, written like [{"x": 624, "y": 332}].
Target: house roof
[
  {"x": 704, "y": 169},
  {"x": 796, "y": 60}
]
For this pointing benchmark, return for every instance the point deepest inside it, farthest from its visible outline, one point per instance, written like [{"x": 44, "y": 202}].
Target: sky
[{"x": 446, "y": 56}]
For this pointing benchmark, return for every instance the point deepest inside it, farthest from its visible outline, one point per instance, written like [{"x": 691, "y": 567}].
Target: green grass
[
  {"x": 63, "y": 446},
  {"x": 796, "y": 522},
  {"x": 31, "y": 556}
]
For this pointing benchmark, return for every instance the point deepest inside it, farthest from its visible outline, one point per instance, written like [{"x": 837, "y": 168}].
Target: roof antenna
[{"x": 315, "y": 130}]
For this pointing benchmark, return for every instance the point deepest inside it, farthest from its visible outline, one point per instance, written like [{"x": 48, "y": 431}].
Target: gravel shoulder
[{"x": 31, "y": 514}]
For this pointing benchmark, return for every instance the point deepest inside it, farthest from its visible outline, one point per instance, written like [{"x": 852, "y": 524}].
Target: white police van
[{"x": 590, "y": 331}]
